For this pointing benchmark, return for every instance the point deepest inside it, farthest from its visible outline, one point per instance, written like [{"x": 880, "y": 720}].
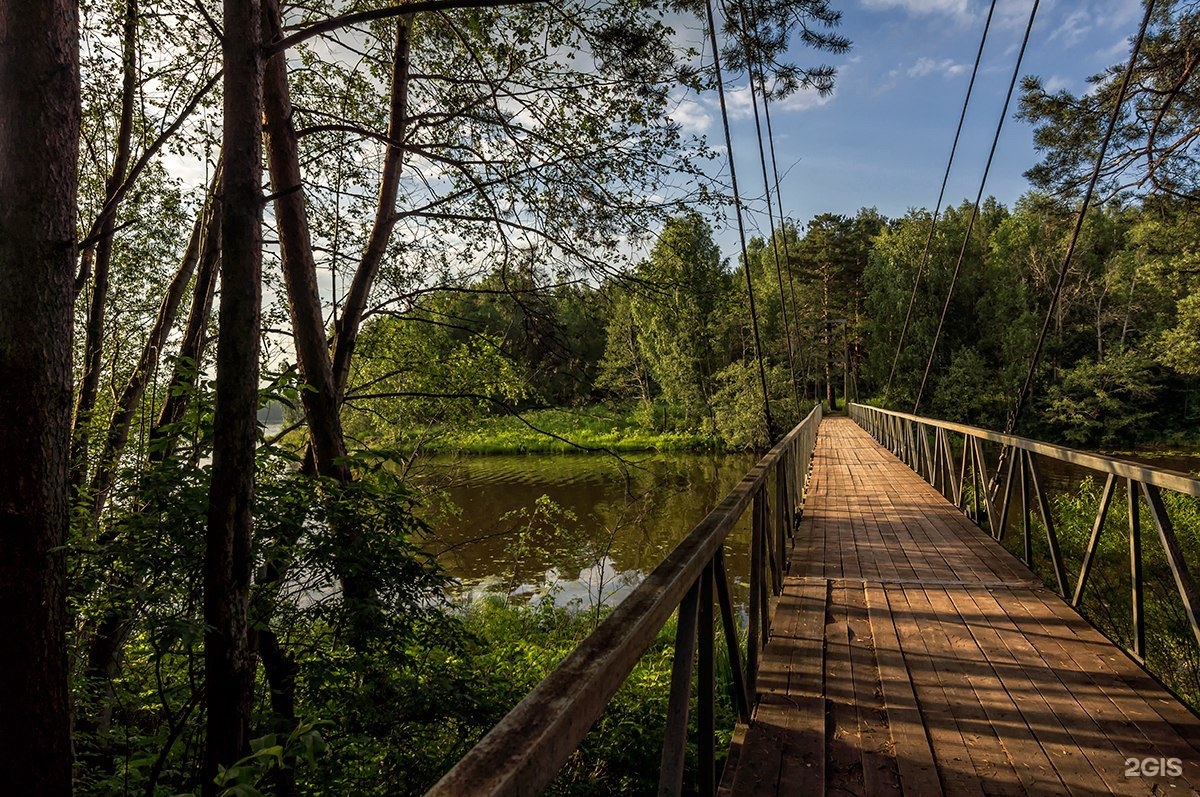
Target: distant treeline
[{"x": 673, "y": 339}]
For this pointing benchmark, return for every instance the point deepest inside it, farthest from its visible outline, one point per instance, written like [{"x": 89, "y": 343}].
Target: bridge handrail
[
  {"x": 1127, "y": 469},
  {"x": 525, "y": 750},
  {"x": 907, "y": 436}
]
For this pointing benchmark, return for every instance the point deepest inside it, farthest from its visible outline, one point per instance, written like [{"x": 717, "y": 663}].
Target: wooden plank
[
  {"x": 1115, "y": 692},
  {"x": 950, "y": 749},
  {"x": 843, "y": 747},
  {"x": 787, "y": 738},
  {"x": 880, "y": 774},
  {"x": 914, "y": 756},
  {"x": 796, "y": 643},
  {"x": 1163, "y": 719},
  {"x": 1004, "y": 691},
  {"x": 959, "y": 669}
]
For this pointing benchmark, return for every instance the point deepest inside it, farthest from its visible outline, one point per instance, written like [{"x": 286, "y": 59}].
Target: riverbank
[{"x": 553, "y": 431}]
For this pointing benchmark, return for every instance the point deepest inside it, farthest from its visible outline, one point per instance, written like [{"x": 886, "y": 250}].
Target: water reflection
[{"x": 574, "y": 527}]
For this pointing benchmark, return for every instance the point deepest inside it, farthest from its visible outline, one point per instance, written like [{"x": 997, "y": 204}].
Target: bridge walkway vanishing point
[{"x": 911, "y": 654}]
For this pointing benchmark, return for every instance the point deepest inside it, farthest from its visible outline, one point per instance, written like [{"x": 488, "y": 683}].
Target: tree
[
  {"x": 623, "y": 370},
  {"x": 888, "y": 285},
  {"x": 229, "y": 664},
  {"x": 463, "y": 144},
  {"x": 39, "y": 145},
  {"x": 682, "y": 284},
  {"x": 829, "y": 258},
  {"x": 1155, "y": 144}
]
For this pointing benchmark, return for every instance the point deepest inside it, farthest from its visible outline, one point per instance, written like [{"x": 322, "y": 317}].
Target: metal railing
[
  {"x": 988, "y": 501},
  {"x": 526, "y": 749}
]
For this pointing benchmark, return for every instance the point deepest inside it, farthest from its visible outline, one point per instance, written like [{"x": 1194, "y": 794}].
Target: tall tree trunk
[
  {"x": 299, "y": 267},
  {"x": 829, "y": 391},
  {"x": 103, "y": 649},
  {"x": 1128, "y": 313},
  {"x": 327, "y": 446},
  {"x": 131, "y": 395},
  {"x": 322, "y": 400},
  {"x": 321, "y": 404},
  {"x": 228, "y": 657},
  {"x": 94, "y": 342},
  {"x": 39, "y": 148},
  {"x": 195, "y": 330},
  {"x": 385, "y": 212}
]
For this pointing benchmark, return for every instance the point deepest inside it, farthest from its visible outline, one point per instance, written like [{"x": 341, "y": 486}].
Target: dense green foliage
[
  {"x": 533, "y": 290},
  {"x": 670, "y": 345}
]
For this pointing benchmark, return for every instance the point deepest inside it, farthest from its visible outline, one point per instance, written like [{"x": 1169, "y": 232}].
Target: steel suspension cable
[
  {"x": 975, "y": 208},
  {"x": 1114, "y": 116},
  {"x": 737, "y": 203},
  {"x": 762, "y": 159},
  {"x": 912, "y": 300},
  {"x": 787, "y": 254}
]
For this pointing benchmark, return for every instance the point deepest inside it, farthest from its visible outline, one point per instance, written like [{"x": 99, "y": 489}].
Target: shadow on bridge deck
[{"x": 911, "y": 654}]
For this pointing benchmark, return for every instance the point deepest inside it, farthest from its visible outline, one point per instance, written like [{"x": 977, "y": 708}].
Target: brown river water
[
  {"x": 588, "y": 527},
  {"x": 584, "y": 527}
]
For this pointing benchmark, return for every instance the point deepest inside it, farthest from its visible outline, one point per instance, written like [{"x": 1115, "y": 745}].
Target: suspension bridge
[{"x": 891, "y": 644}]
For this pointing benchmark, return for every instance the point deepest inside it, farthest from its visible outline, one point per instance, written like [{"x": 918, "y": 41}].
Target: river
[
  {"x": 576, "y": 527},
  {"x": 588, "y": 527}
]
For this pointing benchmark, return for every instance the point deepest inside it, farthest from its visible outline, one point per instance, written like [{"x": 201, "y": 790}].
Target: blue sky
[{"x": 883, "y": 137}]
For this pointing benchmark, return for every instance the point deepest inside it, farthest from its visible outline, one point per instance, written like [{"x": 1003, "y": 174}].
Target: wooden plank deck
[{"x": 911, "y": 654}]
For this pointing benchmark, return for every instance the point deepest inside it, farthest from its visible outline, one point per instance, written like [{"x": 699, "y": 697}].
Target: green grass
[
  {"x": 521, "y": 643},
  {"x": 589, "y": 428}
]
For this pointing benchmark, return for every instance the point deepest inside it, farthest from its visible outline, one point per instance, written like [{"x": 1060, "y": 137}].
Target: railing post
[
  {"x": 984, "y": 484},
  {"x": 969, "y": 453},
  {"x": 930, "y": 464},
  {"x": 756, "y": 587},
  {"x": 1085, "y": 569},
  {"x": 741, "y": 696},
  {"x": 789, "y": 502},
  {"x": 1135, "y": 570},
  {"x": 765, "y": 566},
  {"x": 1026, "y": 526},
  {"x": 706, "y": 708},
  {"x": 910, "y": 444},
  {"x": 939, "y": 455},
  {"x": 1002, "y": 525},
  {"x": 1184, "y": 582},
  {"x": 784, "y": 523},
  {"x": 961, "y": 489},
  {"x": 1048, "y": 521},
  {"x": 670, "y": 774}
]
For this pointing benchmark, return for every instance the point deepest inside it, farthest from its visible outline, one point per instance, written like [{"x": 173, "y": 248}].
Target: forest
[
  {"x": 668, "y": 348},
  {"x": 453, "y": 227}
]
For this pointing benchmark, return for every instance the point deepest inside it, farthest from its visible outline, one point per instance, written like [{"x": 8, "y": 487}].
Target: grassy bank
[{"x": 562, "y": 430}]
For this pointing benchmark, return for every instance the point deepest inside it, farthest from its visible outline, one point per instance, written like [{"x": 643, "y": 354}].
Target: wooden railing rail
[
  {"x": 525, "y": 750},
  {"x": 924, "y": 444}
]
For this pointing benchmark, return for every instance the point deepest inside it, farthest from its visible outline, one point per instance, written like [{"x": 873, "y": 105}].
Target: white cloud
[
  {"x": 805, "y": 99},
  {"x": 1057, "y": 83},
  {"x": 1073, "y": 28},
  {"x": 946, "y": 67},
  {"x": 692, "y": 117},
  {"x": 956, "y": 8},
  {"x": 738, "y": 101},
  {"x": 1014, "y": 16}
]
